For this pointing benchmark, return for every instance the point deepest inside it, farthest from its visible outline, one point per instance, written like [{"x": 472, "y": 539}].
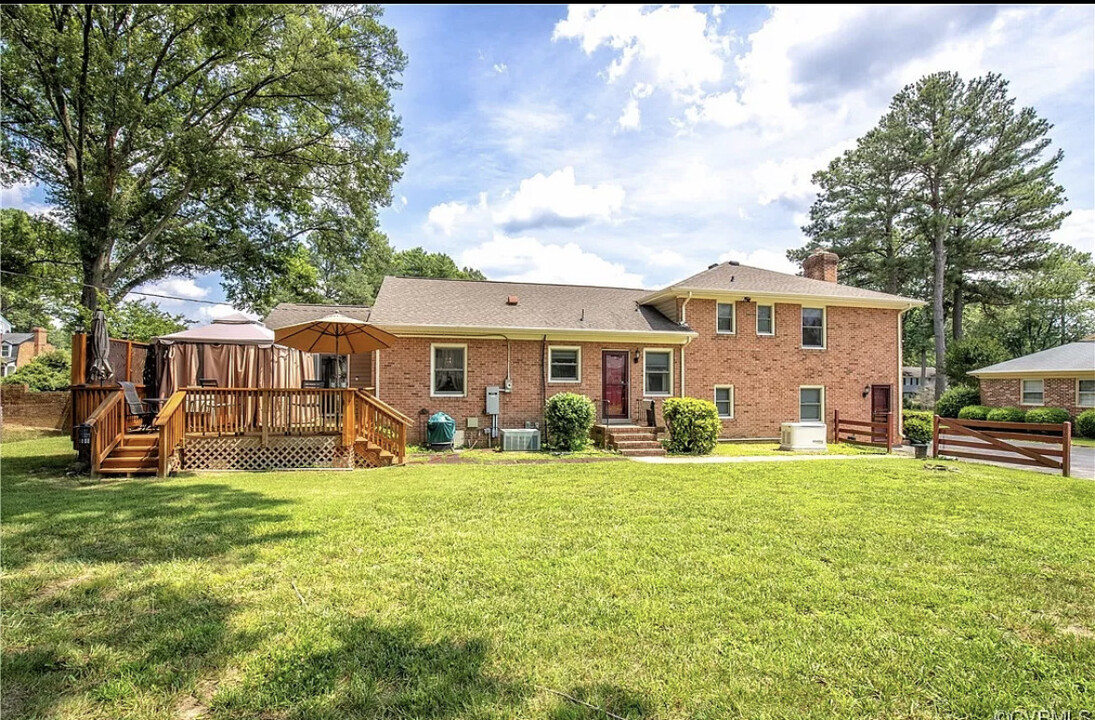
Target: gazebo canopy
[{"x": 233, "y": 329}]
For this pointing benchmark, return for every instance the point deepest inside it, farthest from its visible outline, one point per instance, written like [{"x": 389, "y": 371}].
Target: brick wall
[
  {"x": 20, "y": 406},
  {"x": 862, "y": 349},
  {"x": 1007, "y": 392},
  {"x": 404, "y": 380}
]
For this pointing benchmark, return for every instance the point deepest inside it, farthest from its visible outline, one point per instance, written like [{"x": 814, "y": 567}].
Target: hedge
[
  {"x": 1085, "y": 424},
  {"x": 1007, "y": 414},
  {"x": 974, "y": 412},
  {"x": 568, "y": 418},
  {"x": 917, "y": 426},
  {"x": 1048, "y": 415},
  {"x": 693, "y": 425},
  {"x": 956, "y": 398}
]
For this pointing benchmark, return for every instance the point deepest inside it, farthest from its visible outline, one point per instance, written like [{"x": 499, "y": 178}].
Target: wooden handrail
[
  {"x": 369, "y": 397},
  {"x": 107, "y": 428},
  {"x": 171, "y": 425},
  {"x": 382, "y": 425}
]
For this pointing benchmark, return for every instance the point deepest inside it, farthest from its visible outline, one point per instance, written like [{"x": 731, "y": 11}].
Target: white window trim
[
  {"x": 1078, "y": 403},
  {"x": 1023, "y": 392},
  {"x": 811, "y": 387},
  {"x": 766, "y": 334},
  {"x": 733, "y": 318},
  {"x": 433, "y": 376},
  {"x": 715, "y": 397},
  {"x": 565, "y": 381},
  {"x": 824, "y": 327},
  {"x": 658, "y": 350}
]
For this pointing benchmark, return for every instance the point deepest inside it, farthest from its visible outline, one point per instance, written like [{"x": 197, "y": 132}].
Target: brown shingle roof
[
  {"x": 728, "y": 277},
  {"x": 469, "y": 303},
  {"x": 286, "y": 314}
]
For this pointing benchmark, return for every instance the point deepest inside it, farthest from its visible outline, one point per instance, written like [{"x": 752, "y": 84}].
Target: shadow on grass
[
  {"x": 375, "y": 671},
  {"x": 617, "y": 701},
  {"x": 51, "y": 518},
  {"x": 95, "y": 644}
]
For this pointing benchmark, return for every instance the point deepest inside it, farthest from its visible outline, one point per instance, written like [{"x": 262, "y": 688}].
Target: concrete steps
[{"x": 632, "y": 441}]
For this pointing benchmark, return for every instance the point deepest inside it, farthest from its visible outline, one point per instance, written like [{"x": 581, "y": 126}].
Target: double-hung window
[
  {"x": 813, "y": 327},
  {"x": 564, "y": 364},
  {"x": 766, "y": 319},
  {"x": 658, "y": 372},
  {"x": 811, "y": 404},
  {"x": 449, "y": 370},
  {"x": 724, "y": 400},
  {"x": 1085, "y": 393},
  {"x": 1034, "y": 392},
  {"x": 725, "y": 318}
]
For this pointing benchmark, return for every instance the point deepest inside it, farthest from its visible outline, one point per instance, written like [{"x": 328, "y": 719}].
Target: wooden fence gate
[
  {"x": 878, "y": 432},
  {"x": 957, "y": 438}
]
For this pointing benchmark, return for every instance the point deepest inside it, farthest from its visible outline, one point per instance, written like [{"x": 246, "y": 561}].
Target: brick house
[
  {"x": 1061, "y": 377},
  {"x": 766, "y": 347},
  {"x": 18, "y": 349}
]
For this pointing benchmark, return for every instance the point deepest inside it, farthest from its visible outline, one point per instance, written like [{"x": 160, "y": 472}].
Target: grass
[
  {"x": 487, "y": 456},
  {"x": 754, "y": 449},
  {"x": 1083, "y": 442},
  {"x": 775, "y": 590}
]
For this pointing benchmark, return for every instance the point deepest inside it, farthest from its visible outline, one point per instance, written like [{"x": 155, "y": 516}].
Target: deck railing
[
  {"x": 107, "y": 424},
  {"x": 170, "y": 423},
  {"x": 86, "y": 399},
  {"x": 381, "y": 424},
  {"x": 263, "y": 411}
]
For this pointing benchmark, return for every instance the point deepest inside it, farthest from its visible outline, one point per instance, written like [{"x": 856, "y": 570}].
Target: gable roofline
[
  {"x": 1068, "y": 360},
  {"x": 518, "y": 282},
  {"x": 894, "y": 301}
]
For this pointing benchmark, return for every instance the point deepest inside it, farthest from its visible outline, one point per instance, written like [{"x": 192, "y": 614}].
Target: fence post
[
  {"x": 836, "y": 426},
  {"x": 935, "y": 435},
  {"x": 1066, "y": 458},
  {"x": 889, "y": 432}
]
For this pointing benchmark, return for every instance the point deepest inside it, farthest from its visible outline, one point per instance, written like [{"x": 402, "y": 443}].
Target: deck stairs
[{"x": 135, "y": 454}]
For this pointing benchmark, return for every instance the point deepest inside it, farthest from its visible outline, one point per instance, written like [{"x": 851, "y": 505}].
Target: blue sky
[{"x": 634, "y": 146}]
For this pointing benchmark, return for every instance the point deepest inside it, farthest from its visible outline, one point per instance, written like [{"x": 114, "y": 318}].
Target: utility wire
[{"x": 77, "y": 283}]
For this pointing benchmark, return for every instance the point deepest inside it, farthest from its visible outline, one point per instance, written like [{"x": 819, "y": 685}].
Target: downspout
[
  {"x": 684, "y": 321},
  {"x": 543, "y": 380},
  {"x": 686, "y": 344}
]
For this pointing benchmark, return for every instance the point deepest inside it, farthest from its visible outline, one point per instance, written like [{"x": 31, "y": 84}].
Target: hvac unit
[
  {"x": 802, "y": 436},
  {"x": 520, "y": 440}
]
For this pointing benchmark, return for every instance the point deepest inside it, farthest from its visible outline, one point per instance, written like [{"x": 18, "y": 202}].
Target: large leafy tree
[
  {"x": 40, "y": 271},
  {"x": 176, "y": 139},
  {"x": 966, "y": 179}
]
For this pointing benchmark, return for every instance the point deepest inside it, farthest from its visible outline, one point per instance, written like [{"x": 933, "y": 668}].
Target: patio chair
[{"x": 136, "y": 406}]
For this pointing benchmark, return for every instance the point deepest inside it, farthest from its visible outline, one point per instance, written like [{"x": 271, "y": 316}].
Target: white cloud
[
  {"x": 762, "y": 258},
  {"x": 1078, "y": 230},
  {"x": 443, "y": 218},
  {"x": 791, "y": 178},
  {"x": 630, "y": 117},
  {"x": 180, "y": 291},
  {"x": 666, "y": 258},
  {"x": 558, "y": 200},
  {"x": 526, "y": 259},
  {"x": 500, "y": 67},
  {"x": 213, "y": 312},
  {"x": 18, "y": 197},
  {"x": 677, "y": 47}
]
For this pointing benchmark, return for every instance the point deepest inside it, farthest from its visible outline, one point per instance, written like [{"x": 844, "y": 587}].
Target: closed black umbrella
[{"x": 100, "y": 349}]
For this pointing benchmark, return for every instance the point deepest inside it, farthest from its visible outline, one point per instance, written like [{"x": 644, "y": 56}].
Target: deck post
[
  {"x": 349, "y": 418},
  {"x": 836, "y": 426},
  {"x": 889, "y": 432},
  {"x": 1066, "y": 444},
  {"x": 79, "y": 358},
  {"x": 266, "y": 398}
]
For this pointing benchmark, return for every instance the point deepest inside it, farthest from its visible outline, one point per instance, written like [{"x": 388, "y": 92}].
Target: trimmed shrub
[
  {"x": 917, "y": 426},
  {"x": 48, "y": 371},
  {"x": 1048, "y": 415},
  {"x": 1085, "y": 424},
  {"x": 956, "y": 398},
  {"x": 974, "y": 412},
  {"x": 1008, "y": 414},
  {"x": 693, "y": 425},
  {"x": 568, "y": 418}
]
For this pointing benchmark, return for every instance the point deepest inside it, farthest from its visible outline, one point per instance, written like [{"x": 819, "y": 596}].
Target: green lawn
[
  {"x": 775, "y": 590},
  {"x": 753, "y": 449}
]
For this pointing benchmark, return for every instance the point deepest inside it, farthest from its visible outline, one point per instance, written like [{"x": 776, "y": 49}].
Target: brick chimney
[
  {"x": 821, "y": 265},
  {"x": 41, "y": 340}
]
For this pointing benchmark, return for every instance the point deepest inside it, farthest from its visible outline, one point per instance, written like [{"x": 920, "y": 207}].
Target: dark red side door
[
  {"x": 880, "y": 399},
  {"x": 614, "y": 384}
]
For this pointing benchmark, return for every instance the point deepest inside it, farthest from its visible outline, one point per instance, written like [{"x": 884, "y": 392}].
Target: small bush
[
  {"x": 974, "y": 412},
  {"x": 48, "y": 371},
  {"x": 1007, "y": 414},
  {"x": 917, "y": 426},
  {"x": 1085, "y": 424},
  {"x": 693, "y": 425},
  {"x": 568, "y": 418},
  {"x": 1048, "y": 415},
  {"x": 956, "y": 398}
]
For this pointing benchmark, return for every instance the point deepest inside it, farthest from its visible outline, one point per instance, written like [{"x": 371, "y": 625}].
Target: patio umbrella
[
  {"x": 335, "y": 334},
  {"x": 100, "y": 348}
]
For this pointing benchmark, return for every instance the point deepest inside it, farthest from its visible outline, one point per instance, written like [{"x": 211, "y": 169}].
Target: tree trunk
[
  {"x": 94, "y": 280},
  {"x": 938, "y": 321},
  {"x": 957, "y": 311}
]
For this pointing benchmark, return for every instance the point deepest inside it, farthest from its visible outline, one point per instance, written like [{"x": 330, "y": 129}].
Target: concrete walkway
[{"x": 683, "y": 460}]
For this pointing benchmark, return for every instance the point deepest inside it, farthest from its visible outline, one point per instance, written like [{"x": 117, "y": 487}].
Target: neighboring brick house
[
  {"x": 766, "y": 347},
  {"x": 1062, "y": 377},
  {"x": 18, "y": 349}
]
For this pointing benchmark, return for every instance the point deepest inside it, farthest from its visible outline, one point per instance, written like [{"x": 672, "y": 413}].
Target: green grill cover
[{"x": 440, "y": 429}]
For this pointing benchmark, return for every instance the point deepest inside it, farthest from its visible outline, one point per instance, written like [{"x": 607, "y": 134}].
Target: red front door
[{"x": 614, "y": 384}]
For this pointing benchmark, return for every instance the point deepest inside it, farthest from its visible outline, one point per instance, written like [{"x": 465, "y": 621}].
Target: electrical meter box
[{"x": 492, "y": 399}]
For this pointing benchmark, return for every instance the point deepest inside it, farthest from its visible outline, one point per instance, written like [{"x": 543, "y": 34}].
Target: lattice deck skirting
[{"x": 279, "y": 453}]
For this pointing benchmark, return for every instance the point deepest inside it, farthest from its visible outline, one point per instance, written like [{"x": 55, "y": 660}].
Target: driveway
[{"x": 1083, "y": 461}]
